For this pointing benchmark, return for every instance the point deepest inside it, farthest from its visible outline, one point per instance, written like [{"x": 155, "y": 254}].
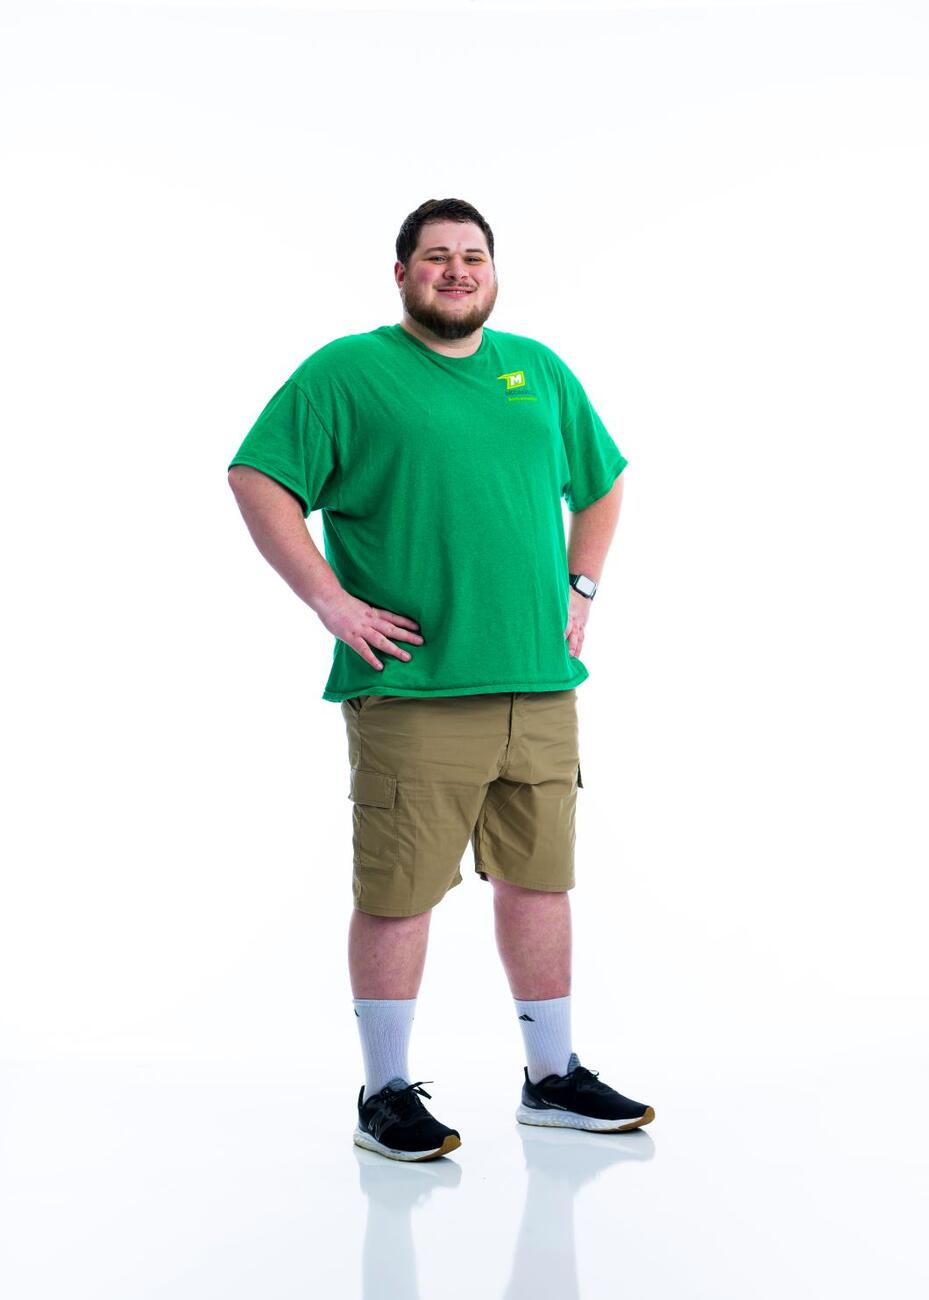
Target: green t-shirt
[{"x": 440, "y": 481}]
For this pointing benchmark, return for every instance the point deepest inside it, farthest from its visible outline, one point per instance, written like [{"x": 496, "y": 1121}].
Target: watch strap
[{"x": 583, "y": 585}]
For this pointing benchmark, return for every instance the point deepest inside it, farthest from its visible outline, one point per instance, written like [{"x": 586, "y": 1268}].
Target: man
[{"x": 439, "y": 452}]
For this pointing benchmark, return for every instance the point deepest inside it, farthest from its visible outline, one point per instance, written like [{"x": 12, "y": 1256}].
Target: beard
[{"x": 442, "y": 326}]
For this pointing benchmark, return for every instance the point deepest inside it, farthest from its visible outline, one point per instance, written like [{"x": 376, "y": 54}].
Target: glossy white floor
[{"x": 795, "y": 1170}]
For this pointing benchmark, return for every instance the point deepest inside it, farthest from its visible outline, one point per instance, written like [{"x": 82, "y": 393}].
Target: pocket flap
[{"x": 376, "y": 789}]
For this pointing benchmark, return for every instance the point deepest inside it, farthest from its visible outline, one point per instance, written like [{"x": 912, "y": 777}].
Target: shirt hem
[{"x": 337, "y": 697}]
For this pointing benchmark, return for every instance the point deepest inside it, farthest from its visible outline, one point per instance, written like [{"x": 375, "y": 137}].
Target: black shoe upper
[
  {"x": 398, "y": 1119},
  {"x": 581, "y": 1092}
]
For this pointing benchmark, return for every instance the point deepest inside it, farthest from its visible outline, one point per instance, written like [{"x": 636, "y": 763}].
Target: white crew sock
[
  {"x": 546, "y": 1027},
  {"x": 384, "y": 1026}
]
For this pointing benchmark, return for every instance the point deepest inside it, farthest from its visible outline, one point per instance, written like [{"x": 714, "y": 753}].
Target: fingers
[
  {"x": 385, "y": 621},
  {"x": 397, "y": 624},
  {"x": 387, "y": 624},
  {"x": 361, "y": 647},
  {"x": 574, "y": 635},
  {"x": 360, "y": 643},
  {"x": 400, "y": 619},
  {"x": 400, "y": 633}
]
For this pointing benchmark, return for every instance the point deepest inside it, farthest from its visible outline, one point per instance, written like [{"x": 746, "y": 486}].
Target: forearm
[
  {"x": 592, "y": 532},
  {"x": 274, "y": 518}
]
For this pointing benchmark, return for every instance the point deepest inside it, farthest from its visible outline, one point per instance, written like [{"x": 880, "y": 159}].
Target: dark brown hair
[{"x": 438, "y": 210}]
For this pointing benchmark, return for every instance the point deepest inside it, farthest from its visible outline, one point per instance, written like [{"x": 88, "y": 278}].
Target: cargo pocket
[{"x": 374, "y": 818}]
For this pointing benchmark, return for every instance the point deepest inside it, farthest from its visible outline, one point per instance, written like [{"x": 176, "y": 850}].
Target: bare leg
[
  {"x": 386, "y": 954},
  {"x": 533, "y": 930}
]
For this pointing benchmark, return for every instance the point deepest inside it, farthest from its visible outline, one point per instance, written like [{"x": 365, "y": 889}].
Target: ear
[{"x": 399, "y": 272}]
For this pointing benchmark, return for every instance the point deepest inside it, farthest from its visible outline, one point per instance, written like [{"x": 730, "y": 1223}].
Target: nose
[{"x": 456, "y": 268}]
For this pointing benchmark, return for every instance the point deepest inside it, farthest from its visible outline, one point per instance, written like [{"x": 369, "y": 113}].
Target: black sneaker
[
  {"x": 395, "y": 1123},
  {"x": 579, "y": 1100}
]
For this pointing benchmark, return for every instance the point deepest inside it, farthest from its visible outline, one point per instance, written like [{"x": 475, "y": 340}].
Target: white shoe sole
[
  {"x": 568, "y": 1119},
  {"x": 362, "y": 1139}
]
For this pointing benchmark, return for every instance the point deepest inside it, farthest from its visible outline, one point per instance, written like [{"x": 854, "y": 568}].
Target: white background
[{"x": 717, "y": 215}]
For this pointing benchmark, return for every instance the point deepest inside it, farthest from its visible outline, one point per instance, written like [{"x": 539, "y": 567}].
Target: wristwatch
[{"x": 582, "y": 584}]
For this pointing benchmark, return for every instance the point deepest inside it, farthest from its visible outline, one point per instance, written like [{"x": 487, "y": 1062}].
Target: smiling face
[{"x": 449, "y": 286}]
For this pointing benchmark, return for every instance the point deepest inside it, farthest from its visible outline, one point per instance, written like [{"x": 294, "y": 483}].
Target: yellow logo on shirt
[{"x": 515, "y": 379}]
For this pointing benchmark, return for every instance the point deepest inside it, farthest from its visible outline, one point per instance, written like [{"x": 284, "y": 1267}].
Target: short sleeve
[
  {"x": 594, "y": 460},
  {"x": 288, "y": 443}
]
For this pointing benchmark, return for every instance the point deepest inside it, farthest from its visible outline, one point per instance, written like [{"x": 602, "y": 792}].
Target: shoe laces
[
  {"x": 591, "y": 1078},
  {"x": 401, "y": 1100}
]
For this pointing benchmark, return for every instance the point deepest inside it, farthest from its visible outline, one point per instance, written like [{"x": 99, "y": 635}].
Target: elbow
[{"x": 237, "y": 477}]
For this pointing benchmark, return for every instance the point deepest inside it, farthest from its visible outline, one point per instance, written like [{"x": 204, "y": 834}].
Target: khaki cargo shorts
[{"x": 430, "y": 773}]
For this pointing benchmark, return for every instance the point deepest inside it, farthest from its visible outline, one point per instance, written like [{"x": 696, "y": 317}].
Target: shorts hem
[
  {"x": 544, "y": 888},
  {"x": 400, "y": 913}
]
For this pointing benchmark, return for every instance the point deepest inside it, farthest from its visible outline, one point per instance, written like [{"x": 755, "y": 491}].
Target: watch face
[{"x": 586, "y": 586}]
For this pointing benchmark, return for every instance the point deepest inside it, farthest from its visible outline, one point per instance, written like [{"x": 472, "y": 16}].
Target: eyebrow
[{"x": 442, "y": 248}]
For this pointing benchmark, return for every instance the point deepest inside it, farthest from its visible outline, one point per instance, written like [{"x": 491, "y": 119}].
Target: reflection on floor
[
  {"x": 137, "y": 1180},
  {"x": 558, "y": 1164}
]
